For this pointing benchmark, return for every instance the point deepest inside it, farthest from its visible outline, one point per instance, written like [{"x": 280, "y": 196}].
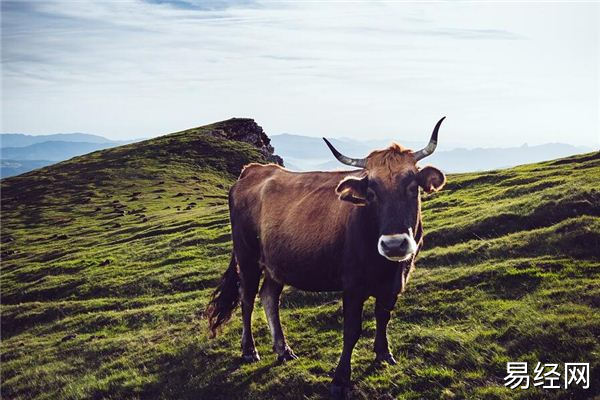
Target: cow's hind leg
[
  {"x": 269, "y": 296},
  {"x": 249, "y": 280}
]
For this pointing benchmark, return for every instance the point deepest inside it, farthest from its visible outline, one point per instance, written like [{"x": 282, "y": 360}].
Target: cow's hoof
[
  {"x": 385, "y": 358},
  {"x": 287, "y": 355},
  {"x": 250, "y": 357},
  {"x": 339, "y": 392}
]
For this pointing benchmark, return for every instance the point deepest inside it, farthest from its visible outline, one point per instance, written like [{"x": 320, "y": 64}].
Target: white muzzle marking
[{"x": 410, "y": 246}]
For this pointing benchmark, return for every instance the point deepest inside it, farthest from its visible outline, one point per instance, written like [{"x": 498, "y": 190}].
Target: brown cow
[{"x": 352, "y": 231}]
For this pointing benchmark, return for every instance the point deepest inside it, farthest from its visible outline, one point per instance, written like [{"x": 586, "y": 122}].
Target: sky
[{"x": 503, "y": 72}]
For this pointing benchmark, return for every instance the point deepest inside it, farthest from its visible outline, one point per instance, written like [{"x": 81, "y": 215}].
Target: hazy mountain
[
  {"x": 22, "y": 140},
  {"x": 310, "y": 153},
  {"x": 306, "y": 152},
  {"x": 54, "y": 151},
  {"x": 480, "y": 159},
  {"x": 17, "y": 167},
  {"x": 20, "y": 153}
]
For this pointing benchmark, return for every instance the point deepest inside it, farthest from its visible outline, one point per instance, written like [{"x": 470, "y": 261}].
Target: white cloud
[{"x": 502, "y": 72}]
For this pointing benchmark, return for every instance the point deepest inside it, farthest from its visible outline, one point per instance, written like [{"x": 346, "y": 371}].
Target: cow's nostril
[
  {"x": 403, "y": 244},
  {"x": 395, "y": 245}
]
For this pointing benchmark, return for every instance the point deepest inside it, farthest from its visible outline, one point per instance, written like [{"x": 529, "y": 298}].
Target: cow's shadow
[
  {"x": 198, "y": 372},
  {"x": 195, "y": 373}
]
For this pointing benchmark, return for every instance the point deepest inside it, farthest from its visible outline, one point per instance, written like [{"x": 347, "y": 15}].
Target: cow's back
[{"x": 295, "y": 219}]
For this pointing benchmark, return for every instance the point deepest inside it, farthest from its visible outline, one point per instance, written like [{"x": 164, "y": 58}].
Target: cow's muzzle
[{"x": 397, "y": 247}]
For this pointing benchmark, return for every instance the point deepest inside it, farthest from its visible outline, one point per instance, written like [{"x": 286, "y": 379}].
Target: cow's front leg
[
  {"x": 382, "y": 317},
  {"x": 353, "y": 305}
]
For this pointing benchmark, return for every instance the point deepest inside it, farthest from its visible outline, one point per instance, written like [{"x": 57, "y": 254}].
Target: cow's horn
[
  {"x": 355, "y": 162},
  {"x": 430, "y": 148}
]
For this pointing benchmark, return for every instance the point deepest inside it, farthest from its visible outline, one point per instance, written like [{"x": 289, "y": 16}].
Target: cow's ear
[
  {"x": 354, "y": 189},
  {"x": 431, "y": 179}
]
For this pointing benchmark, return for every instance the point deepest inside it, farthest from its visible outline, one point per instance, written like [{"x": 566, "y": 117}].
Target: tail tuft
[{"x": 225, "y": 298}]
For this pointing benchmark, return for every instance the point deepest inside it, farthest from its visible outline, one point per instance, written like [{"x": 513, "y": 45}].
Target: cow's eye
[{"x": 412, "y": 190}]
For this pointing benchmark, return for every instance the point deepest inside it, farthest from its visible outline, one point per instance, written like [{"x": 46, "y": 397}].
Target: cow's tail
[{"x": 225, "y": 298}]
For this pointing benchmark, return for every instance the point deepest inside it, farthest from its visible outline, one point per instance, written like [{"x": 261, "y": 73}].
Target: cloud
[
  {"x": 131, "y": 68},
  {"x": 203, "y": 4},
  {"x": 55, "y": 38}
]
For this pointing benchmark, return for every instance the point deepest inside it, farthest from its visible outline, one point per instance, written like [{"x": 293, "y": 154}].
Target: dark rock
[
  {"x": 62, "y": 237},
  {"x": 105, "y": 263},
  {"x": 248, "y": 131}
]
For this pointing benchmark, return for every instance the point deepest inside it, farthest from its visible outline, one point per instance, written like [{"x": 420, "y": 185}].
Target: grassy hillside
[{"x": 108, "y": 260}]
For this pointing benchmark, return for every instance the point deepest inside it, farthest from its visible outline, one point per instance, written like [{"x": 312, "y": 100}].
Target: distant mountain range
[
  {"x": 18, "y": 167},
  {"x": 22, "y": 140},
  {"x": 52, "y": 150},
  {"x": 20, "y": 153},
  {"x": 304, "y": 153}
]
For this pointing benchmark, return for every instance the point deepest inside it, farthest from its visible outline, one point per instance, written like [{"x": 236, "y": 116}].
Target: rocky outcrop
[{"x": 247, "y": 130}]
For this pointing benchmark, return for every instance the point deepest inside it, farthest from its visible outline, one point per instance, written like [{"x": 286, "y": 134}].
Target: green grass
[{"x": 107, "y": 265}]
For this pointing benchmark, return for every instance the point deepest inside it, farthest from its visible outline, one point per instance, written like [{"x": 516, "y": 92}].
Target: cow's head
[{"x": 390, "y": 187}]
